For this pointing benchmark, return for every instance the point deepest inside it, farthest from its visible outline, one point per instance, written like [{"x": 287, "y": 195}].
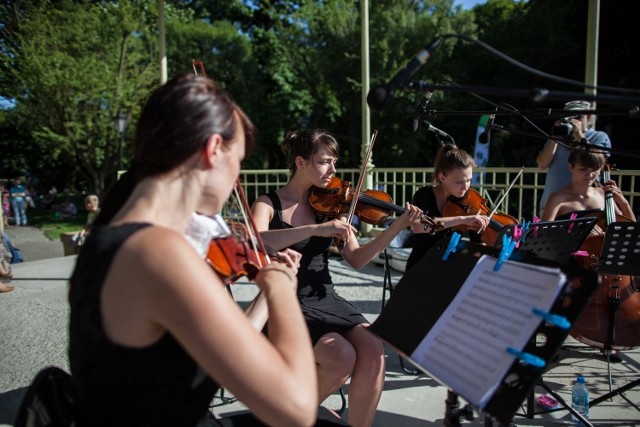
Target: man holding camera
[{"x": 555, "y": 155}]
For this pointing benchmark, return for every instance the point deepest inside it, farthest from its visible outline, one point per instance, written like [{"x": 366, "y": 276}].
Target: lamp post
[{"x": 122, "y": 120}]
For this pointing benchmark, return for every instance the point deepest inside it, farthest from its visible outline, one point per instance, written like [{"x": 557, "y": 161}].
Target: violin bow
[
  {"x": 497, "y": 204},
  {"x": 248, "y": 217},
  {"x": 358, "y": 189},
  {"x": 239, "y": 191},
  {"x": 195, "y": 63}
]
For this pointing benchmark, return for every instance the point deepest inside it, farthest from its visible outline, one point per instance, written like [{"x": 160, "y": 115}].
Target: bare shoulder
[
  {"x": 160, "y": 257},
  {"x": 264, "y": 199}
]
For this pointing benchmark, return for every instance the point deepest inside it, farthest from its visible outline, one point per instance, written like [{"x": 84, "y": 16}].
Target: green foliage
[{"x": 71, "y": 66}]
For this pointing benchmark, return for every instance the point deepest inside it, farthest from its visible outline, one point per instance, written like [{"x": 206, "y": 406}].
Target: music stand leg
[
  {"x": 617, "y": 391},
  {"x": 565, "y": 405},
  {"x": 453, "y": 412}
]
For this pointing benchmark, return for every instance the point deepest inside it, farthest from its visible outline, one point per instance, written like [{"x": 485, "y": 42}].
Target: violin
[
  {"x": 472, "y": 203},
  {"x": 372, "y": 207}
]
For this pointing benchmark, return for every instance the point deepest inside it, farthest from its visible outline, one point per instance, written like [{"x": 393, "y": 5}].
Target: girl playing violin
[
  {"x": 343, "y": 347},
  {"x": 153, "y": 331},
  {"x": 452, "y": 172},
  {"x": 585, "y": 167}
]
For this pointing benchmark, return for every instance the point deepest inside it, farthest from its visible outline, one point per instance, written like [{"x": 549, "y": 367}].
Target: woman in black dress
[
  {"x": 342, "y": 346},
  {"x": 153, "y": 330},
  {"x": 452, "y": 172}
]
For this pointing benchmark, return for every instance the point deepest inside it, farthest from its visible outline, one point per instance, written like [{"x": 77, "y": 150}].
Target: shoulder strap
[{"x": 277, "y": 206}]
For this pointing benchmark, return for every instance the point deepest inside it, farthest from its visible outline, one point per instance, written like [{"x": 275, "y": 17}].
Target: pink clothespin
[
  {"x": 573, "y": 216},
  {"x": 579, "y": 253},
  {"x": 535, "y": 220},
  {"x": 517, "y": 233}
]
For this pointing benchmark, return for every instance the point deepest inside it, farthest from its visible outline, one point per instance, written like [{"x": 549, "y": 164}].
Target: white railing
[{"x": 401, "y": 183}]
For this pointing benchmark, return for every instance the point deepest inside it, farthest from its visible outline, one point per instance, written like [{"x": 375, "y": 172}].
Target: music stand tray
[
  {"x": 552, "y": 240},
  {"x": 621, "y": 250}
]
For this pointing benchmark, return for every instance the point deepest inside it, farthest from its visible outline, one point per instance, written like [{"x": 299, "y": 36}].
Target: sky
[{"x": 468, "y": 4}]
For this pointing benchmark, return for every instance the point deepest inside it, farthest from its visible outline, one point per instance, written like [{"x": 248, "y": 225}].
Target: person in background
[
  {"x": 581, "y": 194},
  {"x": 69, "y": 209},
  {"x": 153, "y": 331},
  {"x": 19, "y": 202},
  {"x": 452, "y": 173},
  {"x": 92, "y": 205},
  {"x": 554, "y": 156},
  {"x": 5, "y": 259},
  {"x": 6, "y": 205},
  {"x": 343, "y": 347}
]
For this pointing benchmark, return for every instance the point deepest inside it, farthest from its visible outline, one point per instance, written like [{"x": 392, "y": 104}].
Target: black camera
[{"x": 564, "y": 128}]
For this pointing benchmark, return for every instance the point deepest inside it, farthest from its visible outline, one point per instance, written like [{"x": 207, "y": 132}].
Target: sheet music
[{"x": 466, "y": 348}]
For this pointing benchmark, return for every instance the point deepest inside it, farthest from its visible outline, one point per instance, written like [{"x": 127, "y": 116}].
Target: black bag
[{"x": 48, "y": 401}]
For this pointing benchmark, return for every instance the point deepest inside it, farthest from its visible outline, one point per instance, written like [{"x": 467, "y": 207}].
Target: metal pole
[
  {"x": 591, "y": 65},
  {"x": 162, "y": 45},
  {"x": 366, "y": 116}
]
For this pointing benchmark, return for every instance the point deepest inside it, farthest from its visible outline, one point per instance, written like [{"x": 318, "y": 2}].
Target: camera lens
[{"x": 562, "y": 129}]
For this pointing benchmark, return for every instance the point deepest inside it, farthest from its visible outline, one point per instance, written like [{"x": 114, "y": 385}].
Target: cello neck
[{"x": 609, "y": 205}]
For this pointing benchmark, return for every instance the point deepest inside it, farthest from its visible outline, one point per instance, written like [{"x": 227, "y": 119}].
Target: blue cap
[{"x": 580, "y": 379}]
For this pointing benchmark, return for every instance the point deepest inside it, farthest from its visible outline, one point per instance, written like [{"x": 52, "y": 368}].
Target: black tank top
[
  {"x": 158, "y": 385},
  {"x": 313, "y": 275}
]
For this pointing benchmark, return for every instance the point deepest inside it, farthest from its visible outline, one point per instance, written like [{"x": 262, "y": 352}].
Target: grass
[{"x": 45, "y": 219}]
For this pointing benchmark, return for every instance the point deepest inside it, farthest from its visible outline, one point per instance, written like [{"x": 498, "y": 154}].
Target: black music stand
[
  {"x": 620, "y": 254},
  {"x": 621, "y": 249},
  {"x": 421, "y": 304},
  {"x": 552, "y": 240}
]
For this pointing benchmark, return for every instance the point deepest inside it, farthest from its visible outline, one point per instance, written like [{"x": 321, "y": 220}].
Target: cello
[{"x": 611, "y": 320}]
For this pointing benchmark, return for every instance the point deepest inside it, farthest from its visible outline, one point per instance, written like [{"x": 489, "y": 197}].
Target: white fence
[{"x": 522, "y": 201}]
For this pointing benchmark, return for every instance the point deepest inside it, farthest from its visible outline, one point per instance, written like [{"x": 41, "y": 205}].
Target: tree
[{"x": 72, "y": 67}]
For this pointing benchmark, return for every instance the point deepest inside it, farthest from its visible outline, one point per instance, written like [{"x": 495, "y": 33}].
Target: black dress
[
  {"x": 323, "y": 309},
  {"x": 158, "y": 385},
  {"x": 425, "y": 199}
]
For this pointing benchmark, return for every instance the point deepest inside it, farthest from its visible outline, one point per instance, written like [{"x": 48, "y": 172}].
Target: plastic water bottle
[{"x": 580, "y": 399}]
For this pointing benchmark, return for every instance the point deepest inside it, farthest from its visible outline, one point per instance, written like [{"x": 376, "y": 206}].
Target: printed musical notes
[{"x": 467, "y": 348}]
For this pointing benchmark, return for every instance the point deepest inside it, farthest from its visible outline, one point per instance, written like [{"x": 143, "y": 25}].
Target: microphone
[
  {"x": 485, "y": 136},
  {"x": 380, "y": 97},
  {"x": 421, "y": 109},
  {"x": 435, "y": 130}
]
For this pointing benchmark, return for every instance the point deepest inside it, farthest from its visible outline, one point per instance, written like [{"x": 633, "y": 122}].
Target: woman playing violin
[
  {"x": 452, "y": 172},
  {"x": 153, "y": 331},
  {"x": 342, "y": 346},
  {"x": 585, "y": 167}
]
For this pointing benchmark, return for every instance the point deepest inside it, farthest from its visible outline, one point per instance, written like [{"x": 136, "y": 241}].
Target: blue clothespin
[
  {"x": 528, "y": 358},
  {"x": 525, "y": 228},
  {"x": 507, "y": 248},
  {"x": 554, "y": 319},
  {"x": 453, "y": 245}
]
